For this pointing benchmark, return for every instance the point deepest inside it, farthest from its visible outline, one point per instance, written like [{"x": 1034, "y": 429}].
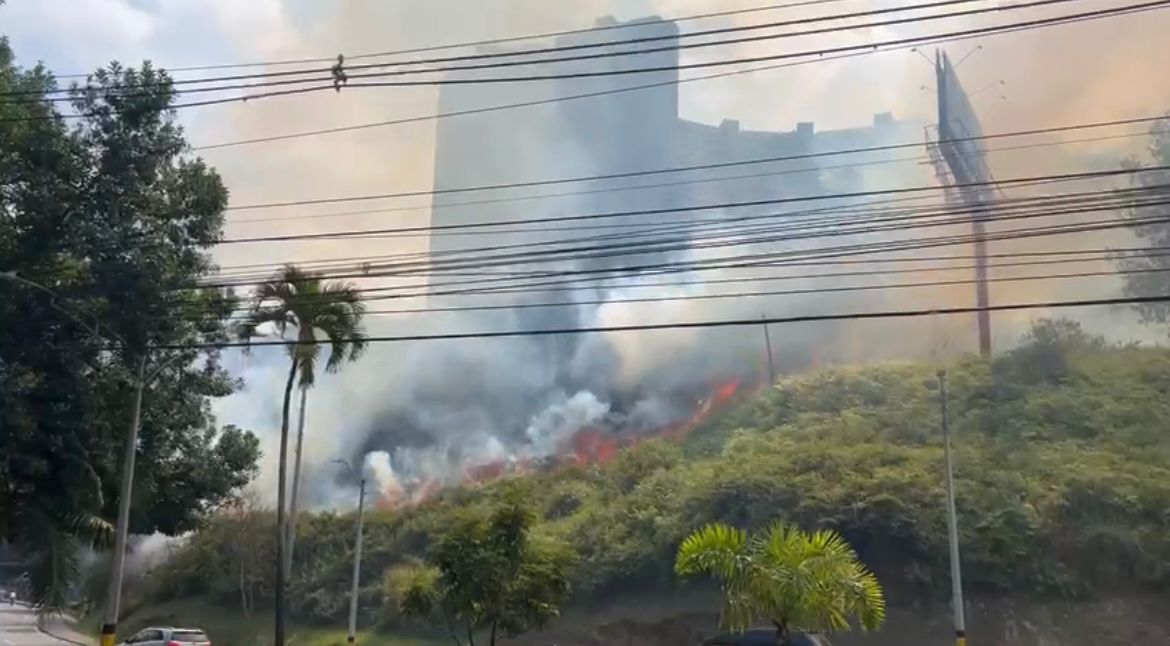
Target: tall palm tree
[
  {"x": 321, "y": 312},
  {"x": 797, "y": 580},
  {"x": 291, "y": 533}
]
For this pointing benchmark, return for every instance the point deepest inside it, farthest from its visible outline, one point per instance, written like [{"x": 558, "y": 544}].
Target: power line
[
  {"x": 365, "y": 262},
  {"x": 867, "y": 273},
  {"x": 1023, "y": 180},
  {"x": 1017, "y": 208},
  {"x": 780, "y": 258},
  {"x": 776, "y": 258},
  {"x": 695, "y": 167},
  {"x": 491, "y": 41},
  {"x": 1162, "y": 251},
  {"x": 349, "y": 69},
  {"x": 752, "y": 322},
  {"x": 921, "y": 217},
  {"x": 688, "y": 182},
  {"x": 918, "y": 40},
  {"x": 1041, "y": 22},
  {"x": 800, "y": 255},
  {"x": 761, "y": 293},
  {"x": 587, "y": 95},
  {"x": 1103, "y": 255},
  {"x": 351, "y": 233},
  {"x": 797, "y": 257}
]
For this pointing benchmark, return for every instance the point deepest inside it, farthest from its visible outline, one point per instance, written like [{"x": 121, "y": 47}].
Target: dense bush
[{"x": 1062, "y": 481}]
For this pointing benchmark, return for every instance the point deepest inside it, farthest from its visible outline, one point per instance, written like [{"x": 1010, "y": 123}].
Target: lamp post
[
  {"x": 122, "y": 528},
  {"x": 952, "y": 520},
  {"x": 357, "y": 553},
  {"x": 118, "y": 565}
]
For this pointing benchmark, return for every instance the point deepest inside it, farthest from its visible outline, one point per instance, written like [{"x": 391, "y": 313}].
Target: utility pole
[
  {"x": 122, "y": 529},
  {"x": 952, "y": 520},
  {"x": 963, "y": 156},
  {"x": 114, "y": 589},
  {"x": 357, "y": 554},
  {"x": 768, "y": 346}
]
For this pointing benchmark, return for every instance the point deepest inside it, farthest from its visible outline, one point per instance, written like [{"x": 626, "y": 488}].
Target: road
[{"x": 18, "y": 627}]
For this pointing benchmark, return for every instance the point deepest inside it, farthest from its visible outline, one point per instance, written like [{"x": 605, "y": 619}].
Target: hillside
[{"x": 1063, "y": 485}]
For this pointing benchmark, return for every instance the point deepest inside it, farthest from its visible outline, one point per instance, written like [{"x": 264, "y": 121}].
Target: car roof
[{"x": 760, "y": 637}]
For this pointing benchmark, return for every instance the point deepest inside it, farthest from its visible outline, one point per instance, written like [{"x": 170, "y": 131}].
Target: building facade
[{"x": 623, "y": 132}]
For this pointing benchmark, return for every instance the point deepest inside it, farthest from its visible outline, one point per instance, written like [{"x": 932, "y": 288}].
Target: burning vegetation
[{"x": 593, "y": 444}]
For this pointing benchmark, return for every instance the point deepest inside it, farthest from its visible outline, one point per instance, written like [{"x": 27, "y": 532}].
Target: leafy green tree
[
  {"x": 796, "y": 580},
  {"x": 113, "y": 217},
  {"x": 487, "y": 574},
  {"x": 312, "y": 306}
]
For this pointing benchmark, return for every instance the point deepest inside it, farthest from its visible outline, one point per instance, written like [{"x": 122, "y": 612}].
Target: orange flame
[{"x": 585, "y": 447}]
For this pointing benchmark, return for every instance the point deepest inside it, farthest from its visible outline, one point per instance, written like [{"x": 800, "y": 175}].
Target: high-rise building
[{"x": 620, "y": 132}]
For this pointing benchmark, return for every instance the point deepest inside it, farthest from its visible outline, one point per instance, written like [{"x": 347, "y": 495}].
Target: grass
[{"x": 229, "y": 626}]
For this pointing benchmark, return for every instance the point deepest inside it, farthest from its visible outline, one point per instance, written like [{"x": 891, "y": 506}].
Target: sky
[{"x": 1079, "y": 73}]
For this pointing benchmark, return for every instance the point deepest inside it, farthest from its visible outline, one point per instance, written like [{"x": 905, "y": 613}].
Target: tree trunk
[
  {"x": 296, "y": 485},
  {"x": 492, "y": 639},
  {"x": 470, "y": 636},
  {"x": 451, "y": 628},
  {"x": 282, "y": 479},
  {"x": 244, "y": 589},
  {"x": 783, "y": 634}
]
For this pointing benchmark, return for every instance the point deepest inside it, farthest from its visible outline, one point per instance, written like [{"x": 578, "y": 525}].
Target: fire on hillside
[{"x": 596, "y": 444}]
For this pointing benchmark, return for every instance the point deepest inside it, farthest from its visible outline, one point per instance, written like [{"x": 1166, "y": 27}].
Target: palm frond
[
  {"x": 51, "y": 557},
  {"x": 808, "y": 580},
  {"x": 716, "y": 548},
  {"x": 92, "y": 530},
  {"x": 867, "y": 600},
  {"x": 277, "y": 314},
  {"x": 340, "y": 321}
]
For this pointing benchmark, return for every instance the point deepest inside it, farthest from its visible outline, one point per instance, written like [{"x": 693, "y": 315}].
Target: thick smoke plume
[{"x": 425, "y": 415}]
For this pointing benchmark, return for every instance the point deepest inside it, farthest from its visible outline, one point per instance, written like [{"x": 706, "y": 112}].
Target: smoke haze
[{"x": 411, "y": 412}]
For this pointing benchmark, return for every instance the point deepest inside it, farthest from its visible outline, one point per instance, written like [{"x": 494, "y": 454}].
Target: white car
[{"x": 169, "y": 637}]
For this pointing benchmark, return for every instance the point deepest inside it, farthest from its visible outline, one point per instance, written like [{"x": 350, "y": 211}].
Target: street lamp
[
  {"x": 118, "y": 566},
  {"x": 952, "y": 520},
  {"x": 357, "y": 552},
  {"x": 122, "y": 528}
]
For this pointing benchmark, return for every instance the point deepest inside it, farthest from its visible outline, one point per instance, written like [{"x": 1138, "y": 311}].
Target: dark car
[{"x": 765, "y": 637}]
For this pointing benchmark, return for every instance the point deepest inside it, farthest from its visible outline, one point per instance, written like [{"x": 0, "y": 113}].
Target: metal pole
[
  {"x": 357, "y": 566},
  {"x": 114, "y": 592},
  {"x": 952, "y": 520},
  {"x": 768, "y": 345}
]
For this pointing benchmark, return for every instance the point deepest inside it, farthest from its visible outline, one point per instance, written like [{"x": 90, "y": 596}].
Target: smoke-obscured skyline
[{"x": 400, "y": 394}]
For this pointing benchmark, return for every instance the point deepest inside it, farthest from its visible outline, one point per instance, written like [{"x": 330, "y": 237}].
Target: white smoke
[
  {"x": 379, "y": 465},
  {"x": 552, "y": 427}
]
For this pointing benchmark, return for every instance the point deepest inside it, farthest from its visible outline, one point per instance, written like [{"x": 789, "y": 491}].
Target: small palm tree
[
  {"x": 797, "y": 580},
  {"x": 51, "y": 543},
  {"x": 320, "y": 312}
]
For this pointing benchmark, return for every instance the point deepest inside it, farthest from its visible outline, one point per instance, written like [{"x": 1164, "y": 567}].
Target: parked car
[
  {"x": 765, "y": 637},
  {"x": 169, "y": 637}
]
